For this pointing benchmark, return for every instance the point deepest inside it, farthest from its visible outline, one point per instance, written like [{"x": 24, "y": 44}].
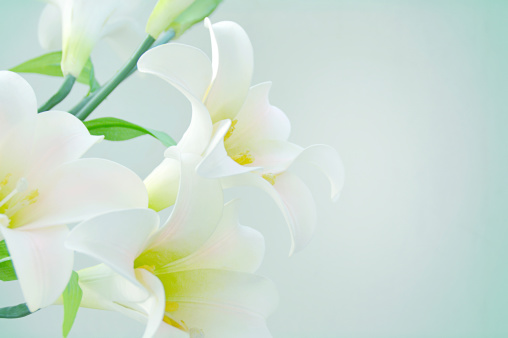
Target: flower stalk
[
  {"x": 105, "y": 90},
  {"x": 60, "y": 95},
  {"x": 84, "y": 108}
]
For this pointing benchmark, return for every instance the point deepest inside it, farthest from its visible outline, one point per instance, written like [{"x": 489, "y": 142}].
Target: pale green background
[{"x": 413, "y": 96}]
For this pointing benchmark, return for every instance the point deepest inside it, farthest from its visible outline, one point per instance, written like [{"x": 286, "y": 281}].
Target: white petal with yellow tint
[
  {"x": 231, "y": 247},
  {"x": 292, "y": 197},
  {"x": 162, "y": 184},
  {"x": 189, "y": 70},
  {"x": 115, "y": 238},
  {"x": 233, "y": 64},
  {"x": 105, "y": 289},
  {"x": 83, "y": 22},
  {"x": 221, "y": 304},
  {"x": 258, "y": 120},
  {"x": 197, "y": 210},
  {"x": 216, "y": 162},
  {"x": 17, "y": 101},
  {"x": 82, "y": 189},
  {"x": 42, "y": 263}
]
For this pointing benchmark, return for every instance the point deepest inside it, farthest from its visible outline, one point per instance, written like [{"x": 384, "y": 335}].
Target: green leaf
[
  {"x": 71, "y": 300},
  {"x": 195, "y": 13},
  {"x": 49, "y": 64},
  {"x": 7, "y": 272},
  {"x": 115, "y": 129},
  {"x": 4, "y": 252},
  {"x": 16, "y": 311}
]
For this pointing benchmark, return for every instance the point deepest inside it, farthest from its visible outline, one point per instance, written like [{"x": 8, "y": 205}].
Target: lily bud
[
  {"x": 80, "y": 23},
  {"x": 163, "y": 15}
]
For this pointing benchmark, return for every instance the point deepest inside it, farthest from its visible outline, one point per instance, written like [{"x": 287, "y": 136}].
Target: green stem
[
  {"x": 164, "y": 38},
  {"x": 81, "y": 104},
  {"x": 61, "y": 94},
  {"x": 109, "y": 86}
]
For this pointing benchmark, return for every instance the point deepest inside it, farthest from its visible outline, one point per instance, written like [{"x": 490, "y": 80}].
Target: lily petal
[
  {"x": 188, "y": 70},
  {"x": 258, "y": 120},
  {"x": 232, "y": 57},
  {"x": 50, "y": 28},
  {"x": 231, "y": 247},
  {"x": 218, "y": 303},
  {"x": 43, "y": 264},
  {"x": 185, "y": 67},
  {"x": 292, "y": 197},
  {"x": 274, "y": 156},
  {"x": 17, "y": 100},
  {"x": 104, "y": 289},
  {"x": 216, "y": 162},
  {"x": 81, "y": 189},
  {"x": 155, "y": 304},
  {"x": 115, "y": 238},
  {"x": 326, "y": 159},
  {"x": 197, "y": 211},
  {"x": 59, "y": 137}
]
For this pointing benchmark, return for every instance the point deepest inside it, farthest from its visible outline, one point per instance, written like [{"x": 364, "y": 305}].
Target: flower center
[
  {"x": 169, "y": 319},
  {"x": 17, "y": 198},
  {"x": 270, "y": 178},
  {"x": 242, "y": 158},
  {"x": 230, "y": 130}
]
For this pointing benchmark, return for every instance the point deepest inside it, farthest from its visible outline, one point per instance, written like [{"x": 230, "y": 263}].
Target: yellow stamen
[
  {"x": 149, "y": 268},
  {"x": 5, "y": 180},
  {"x": 230, "y": 130},
  {"x": 270, "y": 178},
  {"x": 32, "y": 196},
  {"x": 243, "y": 158},
  {"x": 171, "y": 306},
  {"x": 176, "y": 324}
]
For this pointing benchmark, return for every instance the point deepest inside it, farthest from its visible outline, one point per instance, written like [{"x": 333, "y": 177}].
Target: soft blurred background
[{"x": 413, "y": 96}]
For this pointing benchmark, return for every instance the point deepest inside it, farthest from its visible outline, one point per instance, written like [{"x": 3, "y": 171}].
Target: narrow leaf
[
  {"x": 49, "y": 64},
  {"x": 7, "y": 272},
  {"x": 71, "y": 300},
  {"x": 115, "y": 129},
  {"x": 16, "y": 311},
  {"x": 4, "y": 252},
  {"x": 195, "y": 13}
]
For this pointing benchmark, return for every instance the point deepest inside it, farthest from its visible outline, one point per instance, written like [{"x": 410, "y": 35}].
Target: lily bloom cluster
[{"x": 193, "y": 274}]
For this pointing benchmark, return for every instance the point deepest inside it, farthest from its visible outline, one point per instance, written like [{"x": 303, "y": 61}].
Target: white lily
[
  {"x": 44, "y": 186},
  {"x": 75, "y": 26},
  {"x": 247, "y": 144},
  {"x": 190, "y": 278}
]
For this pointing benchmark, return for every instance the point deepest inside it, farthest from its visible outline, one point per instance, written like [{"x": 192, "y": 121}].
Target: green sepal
[
  {"x": 16, "y": 311},
  {"x": 7, "y": 272},
  {"x": 195, "y": 13},
  {"x": 71, "y": 300},
  {"x": 49, "y": 64},
  {"x": 115, "y": 129}
]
